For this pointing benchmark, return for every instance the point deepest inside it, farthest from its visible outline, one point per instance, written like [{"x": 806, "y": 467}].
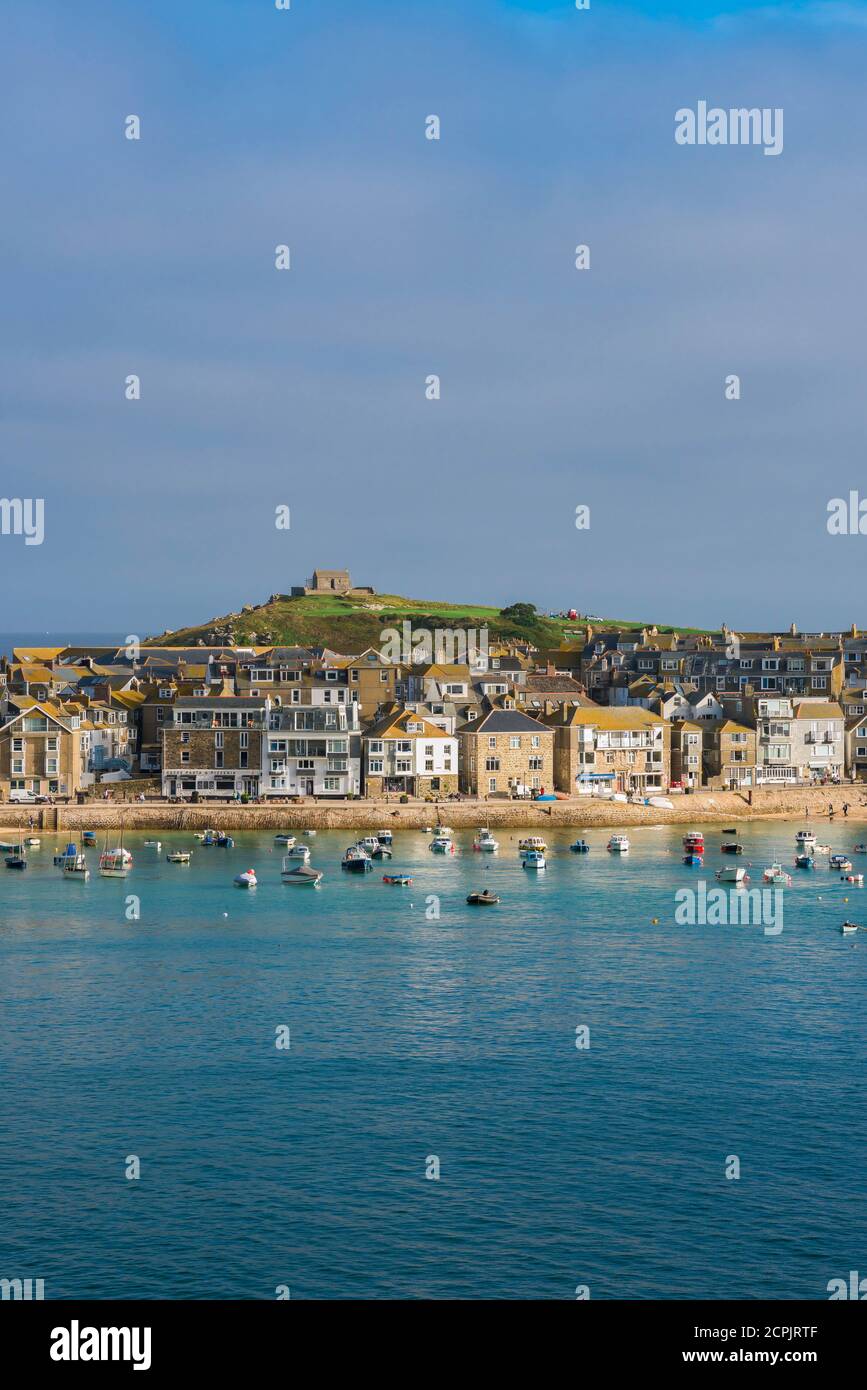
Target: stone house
[
  {"x": 214, "y": 746},
  {"x": 40, "y": 749},
  {"x": 622, "y": 747},
  {"x": 505, "y": 752}
]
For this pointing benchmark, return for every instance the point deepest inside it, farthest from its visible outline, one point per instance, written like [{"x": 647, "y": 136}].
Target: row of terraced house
[{"x": 633, "y": 711}]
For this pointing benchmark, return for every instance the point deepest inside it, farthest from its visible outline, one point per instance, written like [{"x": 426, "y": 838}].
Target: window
[
  {"x": 51, "y": 745},
  {"x": 536, "y": 764},
  {"x": 375, "y": 745},
  {"x": 185, "y": 738},
  {"x": 403, "y": 765},
  {"x": 331, "y": 675},
  {"x": 492, "y": 742},
  {"x": 185, "y": 757},
  {"x": 332, "y": 784},
  {"x": 244, "y": 740},
  {"x": 218, "y": 740},
  {"x": 218, "y": 757},
  {"x": 374, "y": 765},
  {"x": 161, "y": 713},
  {"x": 244, "y": 758},
  {"x": 17, "y": 745},
  {"x": 515, "y": 741},
  {"x": 535, "y": 741},
  {"x": 492, "y": 764},
  {"x": 17, "y": 765},
  {"x": 492, "y": 784}
]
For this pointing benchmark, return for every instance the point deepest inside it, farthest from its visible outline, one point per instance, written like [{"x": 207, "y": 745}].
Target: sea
[
  {"x": 365, "y": 1091},
  {"x": 10, "y": 640}
]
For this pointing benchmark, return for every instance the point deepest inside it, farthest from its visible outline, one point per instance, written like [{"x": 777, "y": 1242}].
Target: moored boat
[
  {"x": 732, "y": 847},
  {"x": 534, "y": 859},
  {"x": 443, "y": 831},
  {"x": 381, "y": 852},
  {"x": 805, "y": 838},
  {"x": 178, "y": 856},
  {"x": 368, "y": 843},
  {"x": 399, "y": 880},
  {"x": 384, "y": 837},
  {"x": 75, "y": 867},
  {"x": 17, "y": 859},
  {"x": 485, "y": 841},
  {"x": 284, "y": 839},
  {"x": 777, "y": 875},
  {"x": 693, "y": 842},
  {"x": 856, "y": 879},
  {"x": 225, "y": 841},
  {"x": 114, "y": 863},
  {"x": 848, "y": 927},
  {"x": 838, "y": 861},
  {"x": 732, "y": 873},
  {"x": 693, "y": 858},
  {"x": 532, "y": 842},
  {"x": 618, "y": 844},
  {"x": 246, "y": 880},
  {"x": 580, "y": 847},
  {"x": 153, "y": 844},
  {"x": 442, "y": 845},
  {"x": 356, "y": 860},
  {"x": 805, "y": 861},
  {"x": 484, "y": 899},
  {"x": 860, "y": 849},
  {"x": 297, "y": 852},
  {"x": 302, "y": 876}
]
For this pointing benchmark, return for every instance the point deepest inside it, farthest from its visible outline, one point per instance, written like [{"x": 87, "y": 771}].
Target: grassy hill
[{"x": 351, "y": 622}]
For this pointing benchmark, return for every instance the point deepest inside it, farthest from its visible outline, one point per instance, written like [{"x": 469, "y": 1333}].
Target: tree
[{"x": 520, "y": 612}]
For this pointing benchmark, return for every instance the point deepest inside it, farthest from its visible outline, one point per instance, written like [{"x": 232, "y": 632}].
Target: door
[{"x": 309, "y": 791}]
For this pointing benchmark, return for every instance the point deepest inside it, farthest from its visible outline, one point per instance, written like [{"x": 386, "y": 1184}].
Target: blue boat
[
  {"x": 225, "y": 842},
  {"x": 580, "y": 847},
  {"x": 804, "y": 861},
  {"x": 693, "y": 858}
]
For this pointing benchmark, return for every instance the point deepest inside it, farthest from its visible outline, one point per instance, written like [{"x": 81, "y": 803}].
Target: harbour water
[{"x": 416, "y": 1035}]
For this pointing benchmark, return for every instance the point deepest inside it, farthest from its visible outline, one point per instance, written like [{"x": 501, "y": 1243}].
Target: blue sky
[{"x": 412, "y": 257}]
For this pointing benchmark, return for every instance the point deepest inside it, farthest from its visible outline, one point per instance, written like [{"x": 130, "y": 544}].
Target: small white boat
[
  {"x": 369, "y": 843},
  {"x": 443, "y": 832},
  {"x": 856, "y": 879},
  {"x": 839, "y": 861},
  {"x": 33, "y": 841},
  {"x": 485, "y": 841},
  {"x": 308, "y": 833},
  {"x": 619, "y": 844},
  {"x": 179, "y": 856},
  {"x": 384, "y": 837},
  {"x": 282, "y": 839},
  {"x": 442, "y": 845},
  {"x": 153, "y": 844},
  {"x": 822, "y": 849},
  {"x": 532, "y": 842},
  {"x": 296, "y": 853},
  {"x": 246, "y": 880},
  {"x": 534, "y": 859},
  {"x": 777, "y": 875},
  {"x": 849, "y": 927},
  {"x": 805, "y": 837},
  {"x": 732, "y": 873}
]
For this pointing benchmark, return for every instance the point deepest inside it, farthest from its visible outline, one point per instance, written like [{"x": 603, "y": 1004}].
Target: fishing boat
[
  {"x": 777, "y": 875},
  {"x": 302, "y": 876},
  {"x": 693, "y": 842},
  {"x": 442, "y": 845},
  {"x": 368, "y": 843},
  {"x": 225, "y": 841},
  {"x": 153, "y": 844},
  {"x": 693, "y": 859},
  {"x": 838, "y": 861},
  {"x": 732, "y": 847},
  {"x": 860, "y": 849},
  {"x": 618, "y": 844},
  {"x": 580, "y": 847},
  {"x": 444, "y": 832},
  {"x": 849, "y": 927},
  {"x": 804, "y": 861},
  {"x": 356, "y": 861},
  {"x": 384, "y": 837},
  {"x": 732, "y": 874},
  {"x": 178, "y": 856},
  {"x": 485, "y": 899},
  {"x": 534, "y": 859},
  {"x": 805, "y": 838},
  {"x": 283, "y": 839},
  {"x": 532, "y": 842},
  {"x": 381, "y": 852},
  {"x": 399, "y": 880},
  {"x": 75, "y": 867},
  {"x": 246, "y": 880},
  {"x": 88, "y": 837},
  {"x": 485, "y": 841}
]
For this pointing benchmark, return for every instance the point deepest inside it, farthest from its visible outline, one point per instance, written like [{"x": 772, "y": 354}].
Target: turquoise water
[{"x": 411, "y": 1037}]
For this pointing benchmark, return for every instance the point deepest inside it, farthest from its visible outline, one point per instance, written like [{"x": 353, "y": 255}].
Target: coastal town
[{"x": 627, "y": 713}]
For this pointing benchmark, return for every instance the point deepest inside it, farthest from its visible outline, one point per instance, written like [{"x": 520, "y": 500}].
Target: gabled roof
[{"x": 505, "y": 721}]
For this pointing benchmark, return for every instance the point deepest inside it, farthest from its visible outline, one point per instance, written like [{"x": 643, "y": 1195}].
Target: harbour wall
[{"x": 697, "y": 809}]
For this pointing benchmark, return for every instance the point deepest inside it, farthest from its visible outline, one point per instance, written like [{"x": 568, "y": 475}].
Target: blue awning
[{"x": 595, "y": 777}]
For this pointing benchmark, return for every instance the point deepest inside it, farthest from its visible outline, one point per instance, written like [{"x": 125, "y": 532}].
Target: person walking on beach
[{"x": 845, "y": 808}]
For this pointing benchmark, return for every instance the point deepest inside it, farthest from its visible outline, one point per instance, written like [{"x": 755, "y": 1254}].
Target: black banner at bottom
[{"x": 163, "y": 1338}]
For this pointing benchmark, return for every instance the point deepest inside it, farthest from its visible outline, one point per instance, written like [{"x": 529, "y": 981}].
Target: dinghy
[
  {"x": 301, "y": 876},
  {"x": 485, "y": 899},
  {"x": 399, "y": 880},
  {"x": 246, "y": 880},
  {"x": 178, "y": 856},
  {"x": 580, "y": 847}
]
